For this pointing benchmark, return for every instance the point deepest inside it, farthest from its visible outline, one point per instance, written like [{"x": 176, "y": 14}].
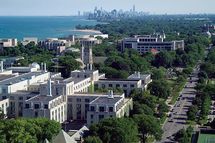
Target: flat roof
[
  {"x": 84, "y": 71},
  {"x": 4, "y": 77},
  {"x": 20, "y": 78},
  {"x": 106, "y": 100},
  {"x": 135, "y": 76},
  {"x": 109, "y": 79},
  {"x": 42, "y": 98}
]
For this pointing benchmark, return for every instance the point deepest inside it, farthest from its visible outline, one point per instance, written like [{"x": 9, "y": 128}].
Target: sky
[{"x": 71, "y": 7}]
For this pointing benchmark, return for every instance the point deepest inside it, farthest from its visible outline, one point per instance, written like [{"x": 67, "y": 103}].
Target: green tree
[
  {"x": 192, "y": 111},
  {"x": 148, "y": 125},
  {"x": 114, "y": 130},
  {"x": 160, "y": 88}
]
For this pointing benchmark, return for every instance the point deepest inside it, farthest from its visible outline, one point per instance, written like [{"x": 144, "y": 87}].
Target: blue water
[{"x": 41, "y": 27}]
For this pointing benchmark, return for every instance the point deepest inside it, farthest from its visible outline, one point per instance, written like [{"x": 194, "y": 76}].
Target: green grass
[
  {"x": 206, "y": 138},
  {"x": 176, "y": 91}
]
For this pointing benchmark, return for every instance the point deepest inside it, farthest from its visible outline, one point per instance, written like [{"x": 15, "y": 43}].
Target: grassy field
[{"x": 206, "y": 138}]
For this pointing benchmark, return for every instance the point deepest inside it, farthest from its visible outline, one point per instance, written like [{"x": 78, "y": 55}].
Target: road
[{"x": 177, "y": 120}]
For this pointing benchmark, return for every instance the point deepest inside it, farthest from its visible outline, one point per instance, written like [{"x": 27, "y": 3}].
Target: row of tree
[{"x": 28, "y": 130}]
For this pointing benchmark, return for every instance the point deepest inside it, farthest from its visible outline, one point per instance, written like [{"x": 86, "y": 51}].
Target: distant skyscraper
[
  {"x": 79, "y": 13},
  {"x": 134, "y": 8}
]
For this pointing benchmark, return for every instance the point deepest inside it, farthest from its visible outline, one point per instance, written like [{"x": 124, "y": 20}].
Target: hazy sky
[{"x": 70, "y": 7}]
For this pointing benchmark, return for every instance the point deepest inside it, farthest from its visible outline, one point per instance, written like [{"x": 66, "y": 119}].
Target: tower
[{"x": 86, "y": 52}]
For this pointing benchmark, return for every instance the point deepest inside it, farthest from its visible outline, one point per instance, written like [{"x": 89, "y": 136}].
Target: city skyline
[{"x": 68, "y": 7}]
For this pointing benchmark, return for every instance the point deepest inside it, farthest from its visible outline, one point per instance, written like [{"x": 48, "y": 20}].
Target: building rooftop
[
  {"x": 116, "y": 80},
  {"x": 20, "y": 78},
  {"x": 43, "y": 98},
  {"x": 138, "y": 76},
  {"x": 4, "y": 77},
  {"x": 106, "y": 100}
]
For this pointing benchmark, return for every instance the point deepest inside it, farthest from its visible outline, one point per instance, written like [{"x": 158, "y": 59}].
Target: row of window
[
  {"x": 101, "y": 109},
  {"x": 36, "y": 106},
  {"x": 117, "y": 85}
]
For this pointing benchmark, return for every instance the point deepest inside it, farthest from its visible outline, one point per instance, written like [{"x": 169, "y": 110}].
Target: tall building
[{"x": 86, "y": 51}]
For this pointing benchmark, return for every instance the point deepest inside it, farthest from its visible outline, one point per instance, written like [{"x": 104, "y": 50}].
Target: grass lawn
[
  {"x": 206, "y": 138},
  {"x": 177, "y": 87}
]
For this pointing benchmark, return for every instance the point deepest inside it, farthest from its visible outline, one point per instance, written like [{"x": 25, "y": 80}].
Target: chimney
[
  {"x": 49, "y": 86},
  {"x": 45, "y": 67},
  {"x": 2, "y": 66},
  {"x": 138, "y": 74}
]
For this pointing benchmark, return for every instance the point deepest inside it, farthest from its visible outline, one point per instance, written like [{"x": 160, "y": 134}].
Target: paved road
[{"x": 178, "y": 117}]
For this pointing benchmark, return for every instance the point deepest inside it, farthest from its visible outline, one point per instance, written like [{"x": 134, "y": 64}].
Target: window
[
  {"x": 101, "y": 117},
  {"x": 20, "y": 98},
  {"x": 101, "y": 109},
  {"x": 35, "y": 114},
  {"x": 103, "y": 85},
  {"x": 110, "y": 109},
  {"x": 117, "y": 85},
  {"x": 132, "y": 85},
  {"x": 87, "y": 100},
  {"x": 92, "y": 108},
  {"x": 4, "y": 90},
  {"x": 36, "y": 106},
  {"x": 4, "y": 97},
  {"x": 86, "y": 107},
  {"x": 91, "y": 116},
  {"x": 27, "y": 106},
  {"x": 124, "y": 85},
  {"x": 78, "y": 99},
  {"x": 46, "y": 106},
  {"x": 70, "y": 99},
  {"x": 110, "y": 85}
]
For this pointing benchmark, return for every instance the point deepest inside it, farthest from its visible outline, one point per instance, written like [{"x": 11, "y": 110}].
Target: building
[
  {"x": 86, "y": 106},
  {"x": 7, "y": 43},
  {"x": 31, "y": 68},
  {"x": 4, "y": 106},
  {"x": 146, "y": 43},
  {"x": 108, "y": 106},
  {"x": 28, "y": 40},
  {"x": 54, "y": 44},
  {"x": 48, "y": 106},
  {"x": 10, "y": 61},
  {"x": 134, "y": 81}
]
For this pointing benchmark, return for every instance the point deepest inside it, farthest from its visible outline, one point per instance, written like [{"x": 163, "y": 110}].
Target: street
[{"x": 177, "y": 119}]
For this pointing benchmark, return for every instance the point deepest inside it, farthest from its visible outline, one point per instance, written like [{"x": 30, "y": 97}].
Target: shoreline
[{"x": 87, "y": 31}]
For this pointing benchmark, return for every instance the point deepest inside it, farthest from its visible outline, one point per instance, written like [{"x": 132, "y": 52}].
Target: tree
[
  {"x": 69, "y": 64},
  {"x": 28, "y": 130},
  {"x": 164, "y": 59},
  {"x": 115, "y": 130},
  {"x": 148, "y": 125},
  {"x": 184, "y": 136},
  {"x": 192, "y": 111},
  {"x": 160, "y": 88},
  {"x": 158, "y": 74},
  {"x": 92, "y": 139}
]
